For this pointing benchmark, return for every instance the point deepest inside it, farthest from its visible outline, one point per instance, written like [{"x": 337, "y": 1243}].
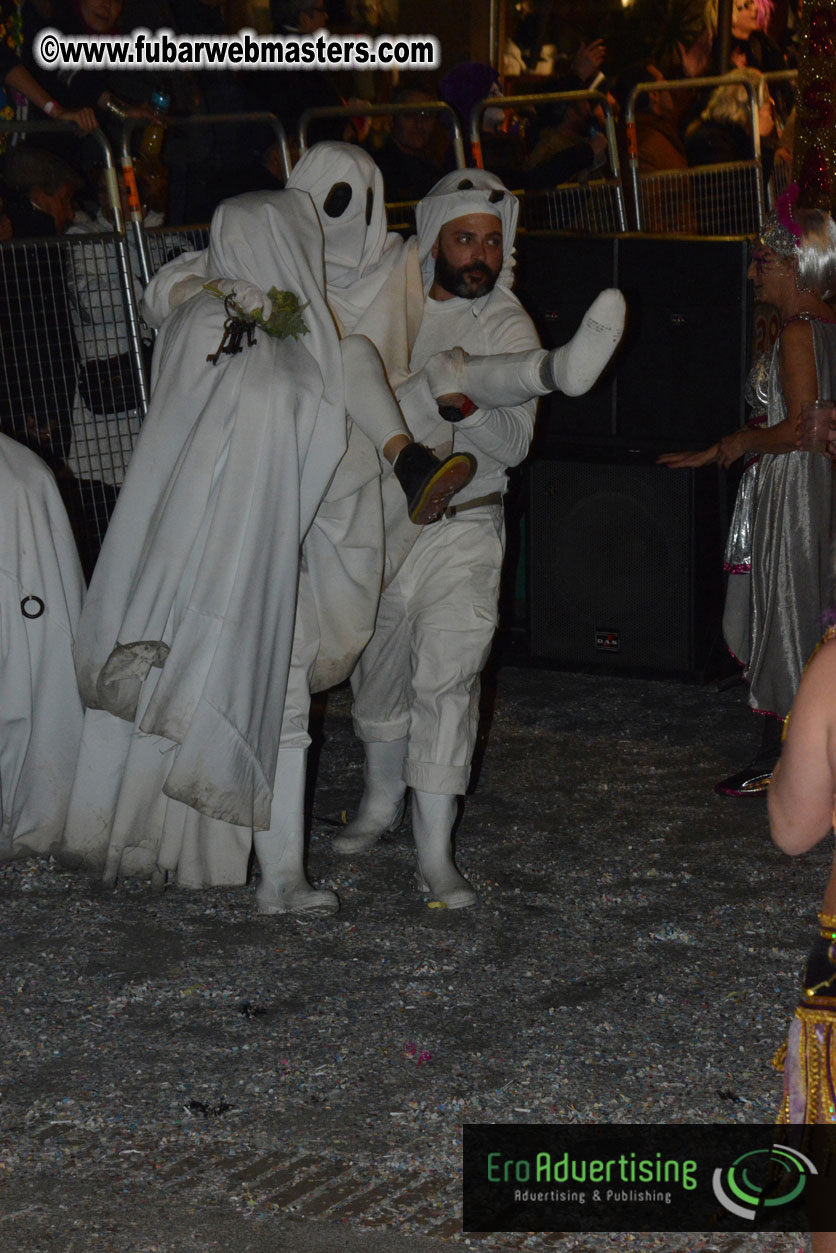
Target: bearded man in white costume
[
  {"x": 416, "y": 685},
  {"x": 41, "y": 591},
  {"x": 184, "y": 651},
  {"x": 374, "y": 286}
]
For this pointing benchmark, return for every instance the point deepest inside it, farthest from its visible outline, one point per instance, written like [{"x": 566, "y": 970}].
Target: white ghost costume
[
  {"x": 374, "y": 289},
  {"x": 373, "y": 277},
  {"x": 41, "y": 592},
  {"x": 416, "y": 685},
  {"x": 184, "y": 651}
]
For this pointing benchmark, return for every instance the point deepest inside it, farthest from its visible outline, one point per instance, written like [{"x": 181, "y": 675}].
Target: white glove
[
  {"x": 249, "y": 298},
  {"x": 445, "y": 371}
]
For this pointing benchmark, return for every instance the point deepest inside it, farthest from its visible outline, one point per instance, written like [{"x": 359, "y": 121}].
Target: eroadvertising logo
[
  {"x": 741, "y": 1192},
  {"x": 647, "y": 1177}
]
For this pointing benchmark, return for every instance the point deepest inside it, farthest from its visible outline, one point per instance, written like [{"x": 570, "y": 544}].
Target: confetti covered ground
[{"x": 180, "y": 1074}]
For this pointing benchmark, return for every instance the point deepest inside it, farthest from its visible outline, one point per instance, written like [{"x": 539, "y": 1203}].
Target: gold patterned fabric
[{"x": 809, "y": 1056}]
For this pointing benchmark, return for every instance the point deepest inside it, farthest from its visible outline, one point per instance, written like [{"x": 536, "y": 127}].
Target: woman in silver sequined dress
[{"x": 778, "y": 548}]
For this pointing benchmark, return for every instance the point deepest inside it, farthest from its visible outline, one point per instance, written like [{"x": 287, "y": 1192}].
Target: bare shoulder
[{"x": 796, "y": 337}]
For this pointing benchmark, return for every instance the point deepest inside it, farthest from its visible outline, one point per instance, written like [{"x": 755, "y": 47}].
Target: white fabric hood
[
  {"x": 347, "y": 191},
  {"x": 457, "y": 194},
  {"x": 273, "y": 239}
]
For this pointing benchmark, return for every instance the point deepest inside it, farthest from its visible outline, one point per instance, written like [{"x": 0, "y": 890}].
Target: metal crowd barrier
[
  {"x": 147, "y": 265},
  {"x": 593, "y": 206},
  {"x": 384, "y": 110},
  {"x": 725, "y": 199},
  {"x": 781, "y": 170},
  {"x": 72, "y": 373}
]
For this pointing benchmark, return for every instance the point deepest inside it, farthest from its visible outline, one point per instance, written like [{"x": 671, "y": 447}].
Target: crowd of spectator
[{"x": 531, "y": 147}]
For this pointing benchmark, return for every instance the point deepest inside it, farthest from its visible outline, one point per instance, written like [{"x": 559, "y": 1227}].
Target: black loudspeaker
[
  {"x": 557, "y": 280},
  {"x": 624, "y": 566},
  {"x": 677, "y": 381},
  {"x": 679, "y": 378}
]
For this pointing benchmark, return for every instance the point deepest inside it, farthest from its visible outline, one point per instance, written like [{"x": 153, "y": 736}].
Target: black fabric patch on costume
[
  {"x": 338, "y": 200},
  {"x": 32, "y": 607},
  {"x": 369, "y": 206}
]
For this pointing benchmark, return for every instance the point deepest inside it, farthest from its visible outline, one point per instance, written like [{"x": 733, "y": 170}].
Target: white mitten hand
[
  {"x": 445, "y": 371},
  {"x": 249, "y": 298},
  {"x": 184, "y": 290}
]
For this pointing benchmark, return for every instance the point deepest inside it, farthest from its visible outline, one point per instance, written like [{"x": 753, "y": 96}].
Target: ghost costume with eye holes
[
  {"x": 184, "y": 648},
  {"x": 373, "y": 286},
  {"x": 373, "y": 279}
]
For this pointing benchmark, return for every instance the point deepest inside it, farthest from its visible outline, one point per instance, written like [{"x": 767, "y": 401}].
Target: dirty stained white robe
[
  {"x": 41, "y": 592},
  {"x": 184, "y": 649}
]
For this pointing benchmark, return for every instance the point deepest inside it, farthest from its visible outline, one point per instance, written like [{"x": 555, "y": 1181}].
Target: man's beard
[{"x": 468, "y": 281}]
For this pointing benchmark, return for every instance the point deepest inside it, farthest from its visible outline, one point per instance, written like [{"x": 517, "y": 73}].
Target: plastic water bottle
[{"x": 154, "y": 133}]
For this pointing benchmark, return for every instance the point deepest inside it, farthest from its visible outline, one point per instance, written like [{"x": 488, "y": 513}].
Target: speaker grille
[{"x": 611, "y": 566}]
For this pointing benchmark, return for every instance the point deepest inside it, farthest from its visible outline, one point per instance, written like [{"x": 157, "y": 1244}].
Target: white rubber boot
[
  {"x": 284, "y": 888},
  {"x": 432, "y": 825},
  {"x": 576, "y": 366},
  {"x": 384, "y": 797}
]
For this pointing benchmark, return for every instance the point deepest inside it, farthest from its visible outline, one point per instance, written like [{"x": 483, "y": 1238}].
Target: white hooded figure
[
  {"x": 364, "y": 263},
  {"x": 184, "y": 648},
  {"x": 41, "y": 592},
  {"x": 374, "y": 293}
]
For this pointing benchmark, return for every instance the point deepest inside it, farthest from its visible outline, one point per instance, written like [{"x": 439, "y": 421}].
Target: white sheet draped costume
[
  {"x": 41, "y": 592},
  {"x": 184, "y": 647}
]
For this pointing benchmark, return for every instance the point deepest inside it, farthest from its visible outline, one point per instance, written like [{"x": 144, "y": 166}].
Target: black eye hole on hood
[
  {"x": 465, "y": 185},
  {"x": 495, "y": 197},
  {"x": 337, "y": 200},
  {"x": 369, "y": 206}
]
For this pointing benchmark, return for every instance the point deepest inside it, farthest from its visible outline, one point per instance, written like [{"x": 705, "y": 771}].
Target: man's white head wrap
[
  {"x": 347, "y": 191},
  {"x": 454, "y": 196}
]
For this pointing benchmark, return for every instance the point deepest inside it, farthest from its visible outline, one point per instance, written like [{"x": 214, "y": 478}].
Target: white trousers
[{"x": 419, "y": 674}]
